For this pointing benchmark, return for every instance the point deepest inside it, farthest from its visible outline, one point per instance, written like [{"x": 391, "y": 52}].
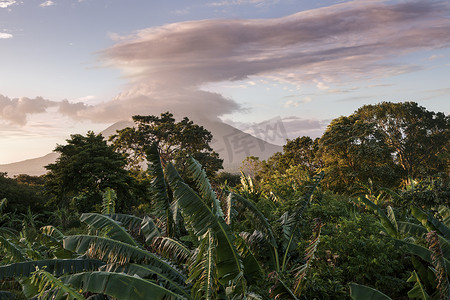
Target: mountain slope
[{"x": 232, "y": 144}]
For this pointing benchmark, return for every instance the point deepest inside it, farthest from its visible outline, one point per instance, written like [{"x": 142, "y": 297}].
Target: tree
[
  {"x": 284, "y": 171},
  {"x": 385, "y": 142},
  {"x": 22, "y": 192},
  {"x": 354, "y": 152},
  {"x": 418, "y": 139},
  {"x": 176, "y": 141},
  {"x": 87, "y": 165}
]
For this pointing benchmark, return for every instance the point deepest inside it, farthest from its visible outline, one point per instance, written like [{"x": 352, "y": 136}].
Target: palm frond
[
  {"x": 109, "y": 201},
  {"x": 50, "y": 287},
  {"x": 422, "y": 252},
  {"x": 203, "y": 186},
  {"x": 445, "y": 214},
  {"x": 149, "y": 272},
  {"x": 392, "y": 218},
  {"x": 149, "y": 229},
  {"x": 418, "y": 291},
  {"x": 263, "y": 223},
  {"x": 119, "y": 285},
  {"x": 113, "y": 251},
  {"x": 57, "y": 267},
  {"x": 252, "y": 268},
  {"x": 231, "y": 211},
  {"x": 11, "y": 250},
  {"x": 430, "y": 222},
  {"x": 309, "y": 257},
  {"x": 158, "y": 188},
  {"x": 108, "y": 227},
  {"x": 280, "y": 290},
  {"x": 199, "y": 217},
  {"x": 290, "y": 221},
  {"x": 412, "y": 229},
  {"x": 53, "y": 232},
  {"x": 202, "y": 271},
  {"x": 172, "y": 249},
  {"x": 130, "y": 222}
]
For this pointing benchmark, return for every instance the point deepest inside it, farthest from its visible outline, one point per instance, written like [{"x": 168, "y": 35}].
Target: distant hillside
[
  {"x": 232, "y": 144},
  {"x": 34, "y": 166}
]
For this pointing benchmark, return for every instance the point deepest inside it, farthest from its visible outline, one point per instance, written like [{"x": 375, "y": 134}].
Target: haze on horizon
[{"x": 68, "y": 66}]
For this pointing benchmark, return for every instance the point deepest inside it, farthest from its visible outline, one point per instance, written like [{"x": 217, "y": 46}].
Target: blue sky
[{"x": 68, "y": 66}]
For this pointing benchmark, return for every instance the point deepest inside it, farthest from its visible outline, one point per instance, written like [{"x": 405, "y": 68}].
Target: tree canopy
[
  {"x": 175, "y": 140},
  {"x": 417, "y": 138},
  {"x": 385, "y": 142},
  {"x": 86, "y": 166}
]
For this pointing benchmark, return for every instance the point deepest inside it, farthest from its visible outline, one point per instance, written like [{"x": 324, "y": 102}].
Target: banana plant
[
  {"x": 435, "y": 234},
  {"x": 279, "y": 251},
  {"x": 103, "y": 263}
]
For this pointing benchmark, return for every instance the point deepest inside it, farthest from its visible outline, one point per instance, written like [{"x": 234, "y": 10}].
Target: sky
[{"x": 69, "y": 66}]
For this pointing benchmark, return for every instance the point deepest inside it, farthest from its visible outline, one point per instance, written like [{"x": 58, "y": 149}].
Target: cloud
[
  {"x": 167, "y": 66},
  {"x": 16, "y": 110},
  {"x": 291, "y": 103},
  {"x": 350, "y": 39},
  {"x": 4, "y": 35},
  {"x": 47, "y": 3},
  {"x": 295, "y": 103},
  {"x": 7, "y": 3}
]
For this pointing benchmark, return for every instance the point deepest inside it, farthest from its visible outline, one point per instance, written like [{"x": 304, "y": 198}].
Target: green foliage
[
  {"x": 87, "y": 165},
  {"x": 105, "y": 226},
  {"x": 384, "y": 142},
  {"x": 120, "y": 286},
  {"x": 428, "y": 192},
  {"x": 200, "y": 216},
  {"x": 21, "y": 194},
  {"x": 353, "y": 151},
  {"x": 353, "y": 250},
  {"x": 176, "y": 141},
  {"x": 362, "y": 292},
  {"x": 250, "y": 241},
  {"x": 418, "y": 291},
  {"x": 417, "y": 138},
  {"x": 50, "y": 287},
  {"x": 109, "y": 201}
]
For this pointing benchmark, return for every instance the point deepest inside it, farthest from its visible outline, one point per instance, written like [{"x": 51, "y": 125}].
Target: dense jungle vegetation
[{"x": 360, "y": 213}]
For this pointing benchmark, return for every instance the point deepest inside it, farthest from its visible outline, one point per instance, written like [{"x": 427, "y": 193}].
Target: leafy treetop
[{"x": 176, "y": 141}]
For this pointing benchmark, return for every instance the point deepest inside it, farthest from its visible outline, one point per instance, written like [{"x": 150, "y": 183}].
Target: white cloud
[
  {"x": 4, "y": 35},
  {"x": 321, "y": 86},
  {"x": 16, "y": 110},
  {"x": 291, "y": 103},
  {"x": 295, "y": 103},
  {"x": 6, "y": 3},
  {"x": 167, "y": 65},
  {"x": 47, "y": 3}
]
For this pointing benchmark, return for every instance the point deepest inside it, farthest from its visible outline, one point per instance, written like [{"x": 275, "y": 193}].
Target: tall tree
[
  {"x": 176, "y": 141},
  {"x": 384, "y": 142},
  {"x": 418, "y": 139},
  {"x": 352, "y": 153},
  {"x": 86, "y": 166}
]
